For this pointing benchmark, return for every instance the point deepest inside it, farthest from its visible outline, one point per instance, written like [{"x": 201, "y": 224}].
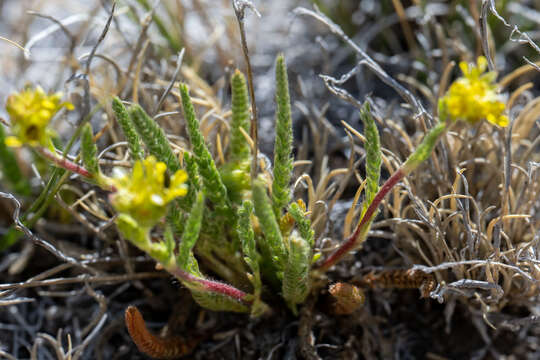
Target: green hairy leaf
[
  {"x": 247, "y": 237},
  {"x": 240, "y": 118},
  {"x": 296, "y": 280},
  {"x": 154, "y": 138},
  {"x": 211, "y": 179},
  {"x": 194, "y": 180},
  {"x": 185, "y": 258},
  {"x": 269, "y": 225},
  {"x": 283, "y": 161},
  {"x": 217, "y": 302},
  {"x": 373, "y": 154},
  {"x": 169, "y": 242},
  {"x": 89, "y": 150},
  {"x": 175, "y": 218},
  {"x": 134, "y": 143},
  {"x": 251, "y": 256},
  {"x": 302, "y": 223},
  {"x": 424, "y": 150}
]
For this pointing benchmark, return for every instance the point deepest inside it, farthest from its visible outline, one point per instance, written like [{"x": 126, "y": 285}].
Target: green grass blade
[{"x": 163, "y": 28}]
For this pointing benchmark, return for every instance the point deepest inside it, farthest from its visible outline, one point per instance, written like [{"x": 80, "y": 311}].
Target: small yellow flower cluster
[
  {"x": 143, "y": 195},
  {"x": 474, "y": 96},
  {"x": 30, "y": 112}
]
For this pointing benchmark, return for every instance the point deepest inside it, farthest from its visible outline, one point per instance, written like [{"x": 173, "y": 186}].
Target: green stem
[{"x": 360, "y": 233}]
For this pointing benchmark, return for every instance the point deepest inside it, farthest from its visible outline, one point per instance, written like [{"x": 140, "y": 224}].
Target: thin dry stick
[
  {"x": 100, "y": 39},
  {"x": 239, "y": 10},
  {"x": 72, "y": 38},
  {"x": 15, "y": 301},
  {"x": 39, "y": 241},
  {"x": 485, "y": 37},
  {"x": 523, "y": 36},
  {"x": 26, "y": 52},
  {"x": 106, "y": 279},
  {"x": 85, "y": 108},
  {"x": 145, "y": 24},
  {"x": 173, "y": 80},
  {"x": 407, "y": 31},
  {"x": 367, "y": 60}
]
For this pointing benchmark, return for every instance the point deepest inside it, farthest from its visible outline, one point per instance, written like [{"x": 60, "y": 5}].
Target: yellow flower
[
  {"x": 474, "y": 96},
  {"x": 30, "y": 112},
  {"x": 144, "y": 195}
]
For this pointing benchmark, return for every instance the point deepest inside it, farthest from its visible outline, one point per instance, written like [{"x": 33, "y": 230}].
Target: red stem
[
  {"x": 65, "y": 163},
  {"x": 351, "y": 242},
  {"x": 212, "y": 286}
]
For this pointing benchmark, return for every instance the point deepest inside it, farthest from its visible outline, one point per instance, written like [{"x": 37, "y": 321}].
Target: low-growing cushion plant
[
  {"x": 241, "y": 227},
  {"x": 198, "y": 219}
]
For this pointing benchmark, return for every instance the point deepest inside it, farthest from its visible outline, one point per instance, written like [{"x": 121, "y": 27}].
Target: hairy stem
[
  {"x": 360, "y": 232},
  {"x": 422, "y": 152},
  {"x": 65, "y": 163},
  {"x": 211, "y": 286}
]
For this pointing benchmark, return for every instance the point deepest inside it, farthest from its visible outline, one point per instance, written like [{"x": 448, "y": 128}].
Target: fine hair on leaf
[
  {"x": 89, "y": 150},
  {"x": 239, "y": 148},
  {"x": 128, "y": 128},
  {"x": 373, "y": 154},
  {"x": 283, "y": 162},
  {"x": 154, "y": 138},
  {"x": 211, "y": 179}
]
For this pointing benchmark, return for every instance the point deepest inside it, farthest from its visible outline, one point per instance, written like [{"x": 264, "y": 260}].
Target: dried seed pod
[
  {"x": 152, "y": 345},
  {"x": 402, "y": 279},
  {"x": 348, "y": 298}
]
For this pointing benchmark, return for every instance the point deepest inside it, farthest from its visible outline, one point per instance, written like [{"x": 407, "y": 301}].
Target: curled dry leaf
[{"x": 152, "y": 345}]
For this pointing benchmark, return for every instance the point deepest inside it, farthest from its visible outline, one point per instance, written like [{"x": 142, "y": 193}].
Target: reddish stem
[
  {"x": 352, "y": 241},
  {"x": 212, "y": 286},
  {"x": 65, "y": 163}
]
